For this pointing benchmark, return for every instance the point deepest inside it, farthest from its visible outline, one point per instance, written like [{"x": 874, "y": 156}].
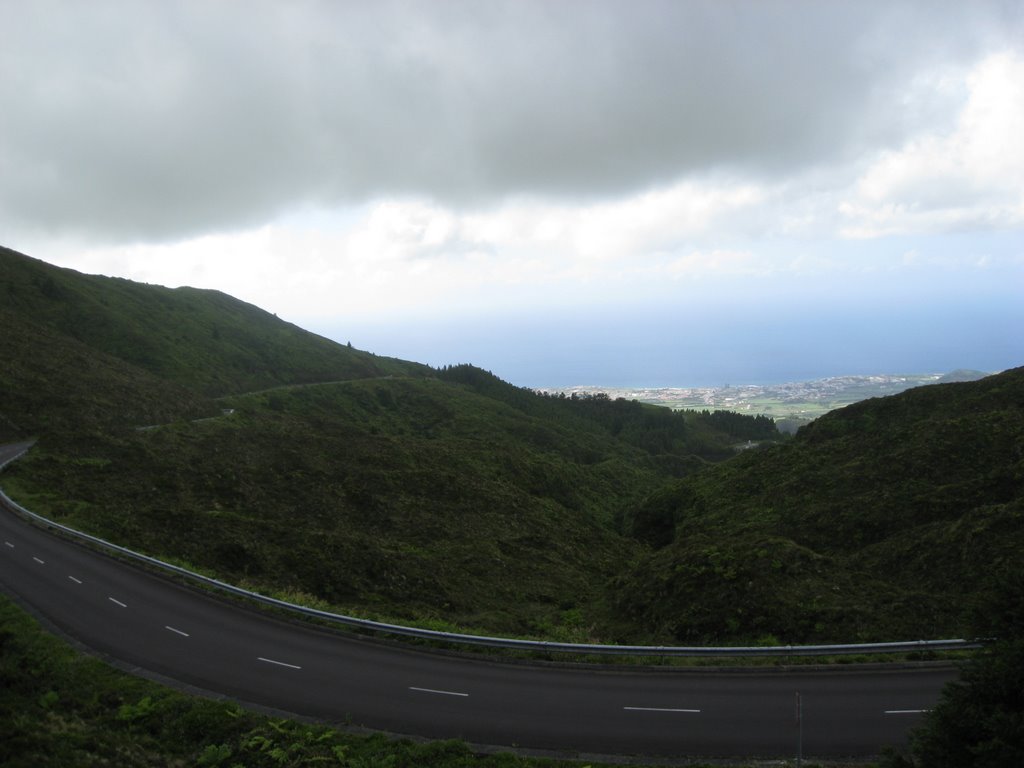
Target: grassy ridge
[{"x": 204, "y": 340}]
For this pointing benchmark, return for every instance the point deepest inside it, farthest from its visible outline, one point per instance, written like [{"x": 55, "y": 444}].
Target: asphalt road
[{"x": 142, "y": 620}]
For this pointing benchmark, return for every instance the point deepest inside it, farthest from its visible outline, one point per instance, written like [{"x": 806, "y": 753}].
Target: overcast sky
[{"x": 562, "y": 192}]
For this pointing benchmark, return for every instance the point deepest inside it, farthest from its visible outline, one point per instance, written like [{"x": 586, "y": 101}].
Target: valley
[{"x": 451, "y": 498}]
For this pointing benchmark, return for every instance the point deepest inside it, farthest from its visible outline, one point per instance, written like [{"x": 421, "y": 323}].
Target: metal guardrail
[{"x": 502, "y": 642}]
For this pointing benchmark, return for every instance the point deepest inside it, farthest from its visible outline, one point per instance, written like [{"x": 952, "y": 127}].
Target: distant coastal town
[{"x": 790, "y": 404}]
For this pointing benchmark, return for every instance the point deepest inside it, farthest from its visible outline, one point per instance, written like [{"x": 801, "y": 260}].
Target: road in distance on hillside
[{"x": 144, "y": 621}]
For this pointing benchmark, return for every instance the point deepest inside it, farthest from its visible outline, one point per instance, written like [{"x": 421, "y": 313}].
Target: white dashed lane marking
[
  {"x": 662, "y": 709},
  {"x": 279, "y": 663},
  {"x": 440, "y": 693}
]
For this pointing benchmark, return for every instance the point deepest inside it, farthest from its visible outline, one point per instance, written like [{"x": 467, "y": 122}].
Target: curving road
[{"x": 145, "y": 621}]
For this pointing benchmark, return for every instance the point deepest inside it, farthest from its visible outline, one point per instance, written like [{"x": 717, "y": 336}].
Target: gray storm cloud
[{"x": 130, "y": 120}]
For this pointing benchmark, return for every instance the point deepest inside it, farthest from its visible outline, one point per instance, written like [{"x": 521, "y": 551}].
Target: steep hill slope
[
  {"x": 203, "y": 340},
  {"x": 50, "y": 382},
  {"x": 880, "y": 520}
]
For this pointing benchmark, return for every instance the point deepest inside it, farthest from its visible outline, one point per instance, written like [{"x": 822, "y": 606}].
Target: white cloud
[
  {"x": 408, "y": 253},
  {"x": 397, "y": 231},
  {"x": 144, "y": 122},
  {"x": 972, "y": 176},
  {"x": 466, "y": 157},
  {"x": 715, "y": 263}
]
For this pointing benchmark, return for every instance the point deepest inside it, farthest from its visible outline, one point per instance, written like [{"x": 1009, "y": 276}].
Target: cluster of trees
[
  {"x": 758, "y": 427},
  {"x": 657, "y": 430},
  {"x": 660, "y": 431}
]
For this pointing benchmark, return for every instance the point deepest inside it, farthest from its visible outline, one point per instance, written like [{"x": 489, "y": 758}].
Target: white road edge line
[
  {"x": 434, "y": 690},
  {"x": 662, "y": 709},
  {"x": 116, "y": 601},
  {"x": 177, "y": 631},
  {"x": 906, "y": 711},
  {"x": 77, "y": 581},
  {"x": 279, "y": 663},
  {"x": 41, "y": 562}
]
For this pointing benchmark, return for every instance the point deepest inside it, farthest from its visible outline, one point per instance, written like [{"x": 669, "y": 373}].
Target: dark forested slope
[{"x": 881, "y": 520}]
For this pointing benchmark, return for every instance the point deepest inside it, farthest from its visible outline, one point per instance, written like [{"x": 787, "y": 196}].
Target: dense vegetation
[
  {"x": 883, "y": 519},
  {"x": 451, "y": 497},
  {"x": 51, "y": 383},
  {"x": 389, "y": 490}
]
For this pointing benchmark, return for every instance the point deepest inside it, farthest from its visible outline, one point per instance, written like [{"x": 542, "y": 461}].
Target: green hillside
[
  {"x": 382, "y": 487},
  {"x": 884, "y": 519},
  {"x": 50, "y": 382},
  {"x": 204, "y": 340}
]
